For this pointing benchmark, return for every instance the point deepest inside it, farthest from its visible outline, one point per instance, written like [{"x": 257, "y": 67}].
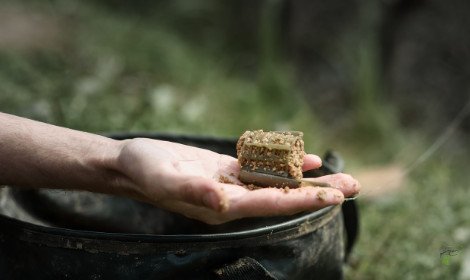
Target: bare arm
[
  {"x": 35, "y": 154},
  {"x": 172, "y": 176}
]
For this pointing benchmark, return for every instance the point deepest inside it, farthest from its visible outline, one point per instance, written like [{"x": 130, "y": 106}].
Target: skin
[{"x": 172, "y": 176}]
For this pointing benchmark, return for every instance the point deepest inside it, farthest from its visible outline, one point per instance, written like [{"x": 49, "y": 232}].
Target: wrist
[{"x": 106, "y": 162}]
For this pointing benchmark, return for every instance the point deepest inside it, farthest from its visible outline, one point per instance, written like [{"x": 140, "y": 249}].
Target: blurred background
[{"x": 384, "y": 83}]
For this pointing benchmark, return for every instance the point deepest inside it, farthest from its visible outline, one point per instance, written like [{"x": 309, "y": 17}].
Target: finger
[
  {"x": 311, "y": 162},
  {"x": 199, "y": 213},
  {"x": 274, "y": 201},
  {"x": 198, "y": 191},
  {"x": 343, "y": 182}
]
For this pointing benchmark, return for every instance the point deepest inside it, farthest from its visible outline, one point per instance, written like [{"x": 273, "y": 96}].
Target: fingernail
[
  {"x": 338, "y": 198},
  {"x": 356, "y": 187},
  {"x": 319, "y": 160}
]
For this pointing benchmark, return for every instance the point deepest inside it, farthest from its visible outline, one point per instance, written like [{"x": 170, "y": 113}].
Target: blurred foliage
[
  {"x": 200, "y": 68},
  {"x": 121, "y": 72},
  {"x": 117, "y": 64},
  {"x": 402, "y": 236}
]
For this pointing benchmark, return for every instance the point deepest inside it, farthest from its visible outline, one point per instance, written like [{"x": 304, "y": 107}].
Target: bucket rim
[{"x": 309, "y": 218}]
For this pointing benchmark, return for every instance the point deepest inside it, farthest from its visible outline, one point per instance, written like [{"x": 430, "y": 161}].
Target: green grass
[
  {"x": 402, "y": 237},
  {"x": 117, "y": 71}
]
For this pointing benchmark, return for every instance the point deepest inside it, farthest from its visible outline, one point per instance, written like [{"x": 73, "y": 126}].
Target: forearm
[{"x": 35, "y": 154}]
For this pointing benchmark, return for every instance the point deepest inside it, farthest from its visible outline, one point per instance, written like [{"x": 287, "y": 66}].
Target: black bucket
[{"x": 54, "y": 234}]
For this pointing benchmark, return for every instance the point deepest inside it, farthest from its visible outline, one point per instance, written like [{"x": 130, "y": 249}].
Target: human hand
[
  {"x": 172, "y": 176},
  {"x": 204, "y": 185}
]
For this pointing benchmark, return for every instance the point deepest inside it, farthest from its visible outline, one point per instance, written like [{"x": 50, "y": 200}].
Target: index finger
[{"x": 311, "y": 162}]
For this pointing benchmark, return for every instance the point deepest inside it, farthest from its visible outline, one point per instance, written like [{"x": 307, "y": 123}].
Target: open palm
[{"x": 204, "y": 185}]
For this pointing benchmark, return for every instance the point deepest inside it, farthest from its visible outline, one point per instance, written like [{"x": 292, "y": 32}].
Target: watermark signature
[{"x": 446, "y": 253}]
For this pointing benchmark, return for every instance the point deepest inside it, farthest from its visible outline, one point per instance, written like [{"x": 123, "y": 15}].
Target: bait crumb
[
  {"x": 321, "y": 195},
  {"x": 252, "y": 187},
  {"x": 225, "y": 180},
  {"x": 286, "y": 189},
  {"x": 224, "y": 205}
]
